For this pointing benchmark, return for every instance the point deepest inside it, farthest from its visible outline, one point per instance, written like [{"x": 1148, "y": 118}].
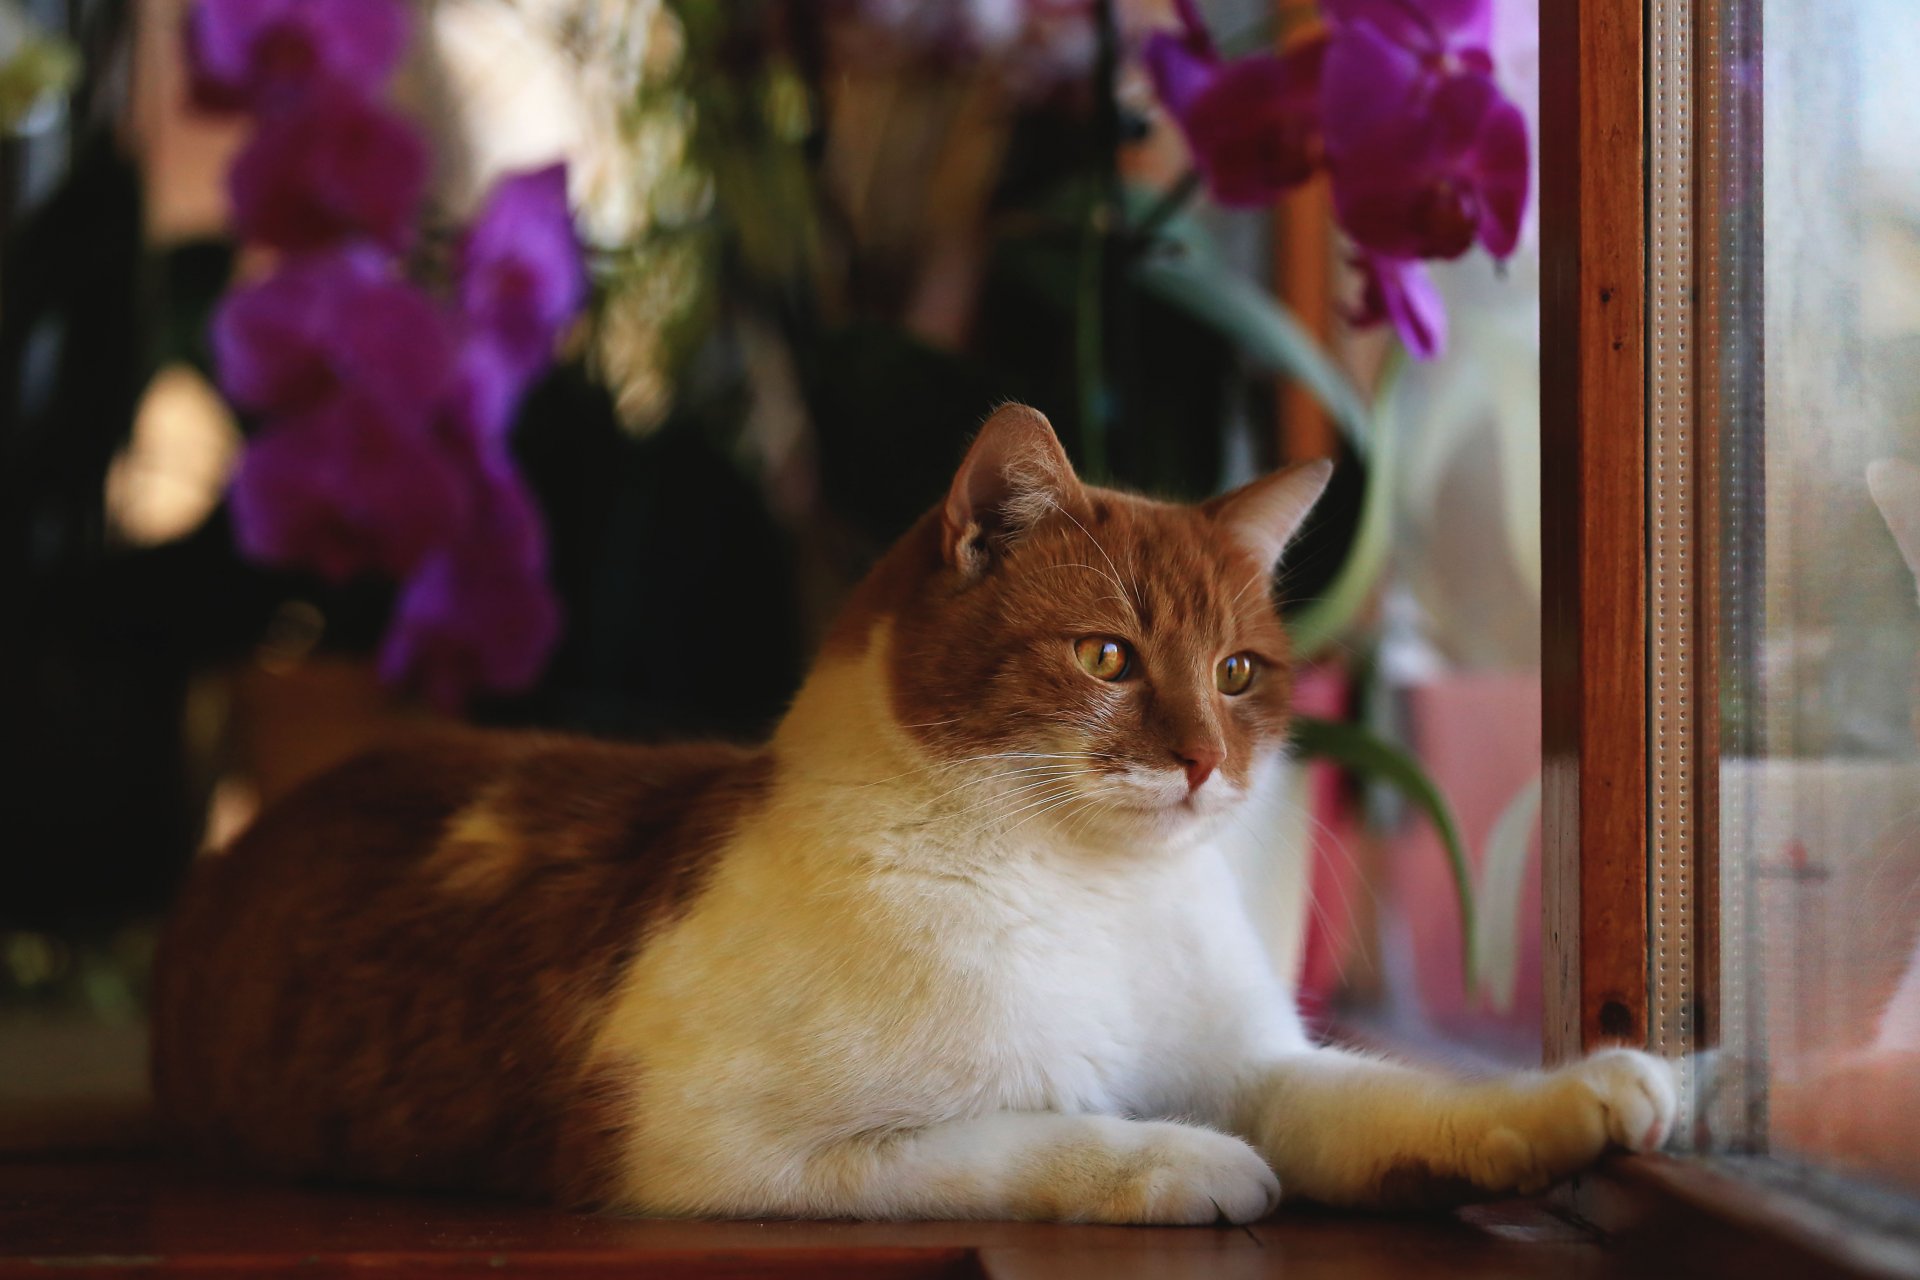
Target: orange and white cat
[{"x": 963, "y": 940}]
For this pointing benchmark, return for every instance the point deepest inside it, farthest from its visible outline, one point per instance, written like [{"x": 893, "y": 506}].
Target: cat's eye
[
  {"x": 1102, "y": 657},
  {"x": 1234, "y": 674}
]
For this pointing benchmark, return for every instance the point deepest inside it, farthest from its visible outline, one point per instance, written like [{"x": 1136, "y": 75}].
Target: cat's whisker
[
  {"x": 1013, "y": 795},
  {"x": 1267, "y": 843},
  {"x": 1060, "y": 793},
  {"x": 942, "y": 768},
  {"x": 1314, "y": 905},
  {"x": 1041, "y": 778},
  {"x": 1062, "y": 801}
]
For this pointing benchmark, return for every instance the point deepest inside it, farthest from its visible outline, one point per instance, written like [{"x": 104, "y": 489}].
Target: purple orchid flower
[
  {"x": 478, "y": 614},
  {"x": 349, "y": 369},
  {"x": 337, "y": 320},
  {"x": 261, "y": 55},
  {"x": 1398, "y": 291},
  {"x": 335, "y": 168},
  {"x": 1427, "y": 154},
  {"x": 342, "y": 491},
  {"x": 485, "y": 392},
  {"x": 1252, "y": 124},
  {"x": 520, "y": 277},
  {"x": 383, "y": 416}
]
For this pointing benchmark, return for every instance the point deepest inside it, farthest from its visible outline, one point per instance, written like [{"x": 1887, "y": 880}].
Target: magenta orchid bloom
[
  {"x": 1396, "y": 99},
  {"x": 348, "y": 367},
  {"x": 485, "y": 392},
  {"x": 478, "y": 615},
  {"x": 520, "y": 278},
  {"x": 1252, "y": 123},
  {"x": 331, "y": 321},
  {"x": 382, "y": 413},
  {"x": 1428, "y": 156},
  {"x": 336, "y": 168},
  {"x": 342, "y": 490},
  {"x": 1398, "y": 291},
  {"x": 260, "y": 55}
]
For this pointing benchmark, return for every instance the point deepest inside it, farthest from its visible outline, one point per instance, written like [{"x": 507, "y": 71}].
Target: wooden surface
[
  {"x": 73, "y": 1216},
  {"x": 1303, "y": 267},
  {"x": 1743, "y": 1216},
  {"x": 1593, "y": 652}
]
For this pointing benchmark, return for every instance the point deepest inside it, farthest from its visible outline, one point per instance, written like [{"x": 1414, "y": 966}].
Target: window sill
[{"x": 1743, "y": 1215}]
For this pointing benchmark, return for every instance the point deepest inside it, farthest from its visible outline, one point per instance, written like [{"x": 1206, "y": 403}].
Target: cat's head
[{"x": 1082, "y": 656}]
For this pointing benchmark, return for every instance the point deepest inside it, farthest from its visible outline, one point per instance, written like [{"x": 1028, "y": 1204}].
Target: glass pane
[{"x": 1819, "y": 383}]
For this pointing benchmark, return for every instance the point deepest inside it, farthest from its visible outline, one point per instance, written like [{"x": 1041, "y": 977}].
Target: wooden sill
[
  {"x": 1740, "y": 1215},
  {"x": 133, "y": 1215}
]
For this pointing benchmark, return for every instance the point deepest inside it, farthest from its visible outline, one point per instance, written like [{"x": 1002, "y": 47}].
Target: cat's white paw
[
  {"x": 1179, "y": 1175},
  {"x": 1617, "y": 1097}
]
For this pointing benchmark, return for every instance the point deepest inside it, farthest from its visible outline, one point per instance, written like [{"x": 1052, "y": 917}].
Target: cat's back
[{"x": 393, "y": 974}]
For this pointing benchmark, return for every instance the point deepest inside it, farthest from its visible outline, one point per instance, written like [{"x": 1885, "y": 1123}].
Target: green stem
[
  {"x": 1089, "y": 344},
  {"x": 1176, "y": 198},
  {"x": 1358, "y": 748},
  {"x": 1099, "y": 267},
  {"x": 1329, "y": 617}
]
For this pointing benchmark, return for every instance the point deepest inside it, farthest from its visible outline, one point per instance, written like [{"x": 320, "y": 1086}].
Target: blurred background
[{"x": 824, "y": 239}]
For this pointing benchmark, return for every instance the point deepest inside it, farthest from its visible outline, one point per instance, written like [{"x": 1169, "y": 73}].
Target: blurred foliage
[{"x": 695, "y": 561}]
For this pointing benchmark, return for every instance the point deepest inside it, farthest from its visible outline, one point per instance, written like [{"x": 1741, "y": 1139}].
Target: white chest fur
[{"x": 865, "y": 959}]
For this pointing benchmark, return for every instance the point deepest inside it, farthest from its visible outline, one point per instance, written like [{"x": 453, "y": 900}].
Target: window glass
[{"x": 1818, "y": 616}]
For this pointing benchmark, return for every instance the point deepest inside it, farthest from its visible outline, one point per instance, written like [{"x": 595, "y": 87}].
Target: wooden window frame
[
  {"x": 1637, "y": 411},
  {"x": 1593, "y": 375}
]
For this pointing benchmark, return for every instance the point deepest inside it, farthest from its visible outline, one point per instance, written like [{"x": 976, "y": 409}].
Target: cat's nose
[{"x": 1199, "y": 760}]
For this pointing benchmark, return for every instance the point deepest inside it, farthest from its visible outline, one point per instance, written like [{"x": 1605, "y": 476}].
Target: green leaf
[
  {"x": 1327, "y": 618},
  {"x": 1365, "y": 752},
  {"x": 1184, "y": 272},
  {"x": 1503, "y": 872}
]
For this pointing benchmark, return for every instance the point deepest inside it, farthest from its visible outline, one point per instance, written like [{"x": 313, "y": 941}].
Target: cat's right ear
[{"x": 1013, "y": 475}]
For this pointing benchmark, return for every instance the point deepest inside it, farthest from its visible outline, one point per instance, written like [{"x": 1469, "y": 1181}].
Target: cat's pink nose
[{"x": 1199, "y": 760}]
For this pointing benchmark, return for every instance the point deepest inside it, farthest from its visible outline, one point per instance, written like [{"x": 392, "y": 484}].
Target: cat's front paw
[
  {"x": 1170, "y": 1175},
  {"x": 1564, "y": 1121}
]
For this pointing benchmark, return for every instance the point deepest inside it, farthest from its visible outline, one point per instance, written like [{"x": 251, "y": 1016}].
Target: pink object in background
[
  {"x": 1332, "y": 933},
  {"x": 1478, "y": 736}
]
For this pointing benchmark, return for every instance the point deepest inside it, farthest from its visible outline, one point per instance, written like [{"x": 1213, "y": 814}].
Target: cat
[{"x": 961, "y": 941}]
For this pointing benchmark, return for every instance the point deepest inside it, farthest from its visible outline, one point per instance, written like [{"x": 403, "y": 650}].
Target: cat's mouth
[{"x": 1175, "y": 800}]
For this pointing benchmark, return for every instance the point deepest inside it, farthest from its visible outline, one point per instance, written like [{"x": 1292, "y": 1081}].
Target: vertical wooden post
[
  {"x": 1304, "y": 280},
  {"x": 1594, "y": 645}
]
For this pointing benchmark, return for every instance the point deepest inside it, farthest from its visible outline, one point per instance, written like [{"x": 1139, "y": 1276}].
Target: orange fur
[{"x": 351, "y": 993}]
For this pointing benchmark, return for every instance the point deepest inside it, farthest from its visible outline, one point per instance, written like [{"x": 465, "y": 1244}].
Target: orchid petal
[
  {"x": 1426, "y": 26},
  {"x": 1399, "y": 291},
  {"x": 1179, "y": 74},
  {"x": 266, "y": 54},
  {"x": 1254, "y": 132},
  {"x": 1429, "y": 185},
  {"x": 520, "y": 274},
  {"x": 1502, "y": 167},
  {"x": 337, "y": 168},
  {"x": 1368, "y": 81},
  {"x": 478, "y": 615},
  {"x": 342, "y": 491}
]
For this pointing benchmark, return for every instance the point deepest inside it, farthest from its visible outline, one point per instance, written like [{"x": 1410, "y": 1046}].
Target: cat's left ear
[
  {"x": 1014, "y": 473},
  {"x": 1262, "y": 515}
]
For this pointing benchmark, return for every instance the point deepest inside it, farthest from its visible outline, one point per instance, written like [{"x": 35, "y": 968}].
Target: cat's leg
[
  {"x": 1009, "y": 1165},
  {"x": 1347, "y": 1129}
]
